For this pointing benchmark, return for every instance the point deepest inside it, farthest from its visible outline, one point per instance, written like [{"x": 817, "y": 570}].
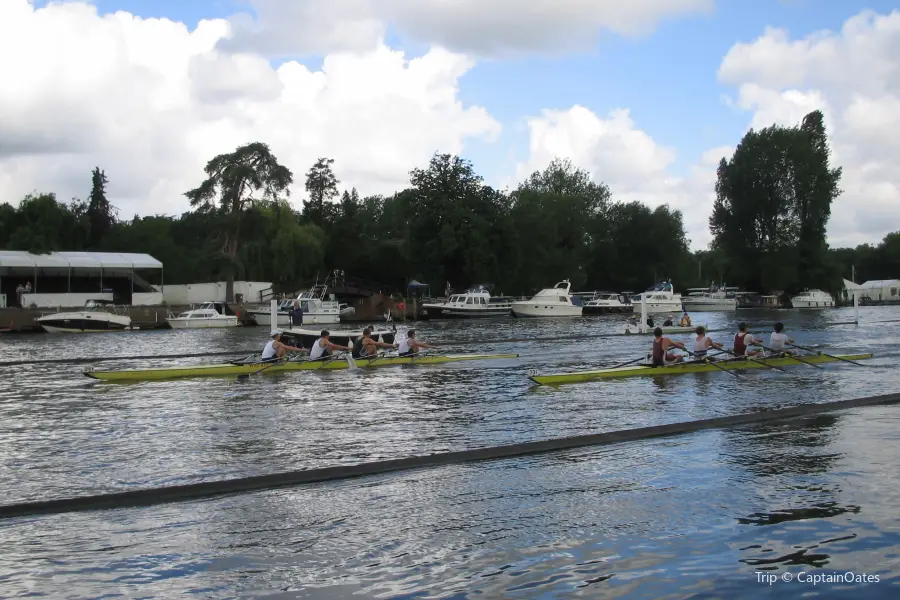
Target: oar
[
  {"x": 757, "y": 361},
  {"x": 710, "y": 362},
  {"x": 245, "y": 376},
  {"x": 334, "y": 357},
  {"x": 631, "y": 361},
  {"x": 829, "y": 355},
  {"x": 791, "y": 356}
]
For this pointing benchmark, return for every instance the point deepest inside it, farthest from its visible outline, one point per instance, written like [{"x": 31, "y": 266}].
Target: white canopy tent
[
  {"x": 885, "y": 290},
  {"x": 851, "y": 289},
  {"x": 115, "y": 264}
]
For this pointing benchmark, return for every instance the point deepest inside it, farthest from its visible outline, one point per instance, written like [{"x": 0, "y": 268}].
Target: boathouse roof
[{"x": 12, "y": 259}]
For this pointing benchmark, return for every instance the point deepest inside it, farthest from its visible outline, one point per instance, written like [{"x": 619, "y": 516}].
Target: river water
[{"x": 709, "y": 513}]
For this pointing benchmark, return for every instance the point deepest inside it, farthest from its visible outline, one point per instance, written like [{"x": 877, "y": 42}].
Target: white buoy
[{"x": 273, "y": 313}]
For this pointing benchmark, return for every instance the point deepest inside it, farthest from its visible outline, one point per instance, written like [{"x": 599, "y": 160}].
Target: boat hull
[
  {"x": 532, "y": 309},
  {"x": 84, "y": 323},
  {"x": 707, "y": 305},
  {"x": 264, "y": 318},
  {"x": 177, "y": 323},
  {"x": 436, "y": 311},
  {"x": 688, "y": 367},
  {"x": 232, "y": 369},
  {"x": 812, "y": 303},
  {"x": 606, "y": 309}
]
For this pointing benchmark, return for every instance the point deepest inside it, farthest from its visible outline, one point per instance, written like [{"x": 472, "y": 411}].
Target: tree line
[{"x": 773, "y": 203}]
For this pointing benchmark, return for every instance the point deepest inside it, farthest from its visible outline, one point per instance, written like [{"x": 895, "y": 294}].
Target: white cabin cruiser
[
  {"x": 475, "y": 302},
  {"x": 206, "y": 316},
  {"x": 661, "y": 298},
  {"x": 709, "y": 299},
  {"x": 812, "y": 299},
  {"x": 316, "y": 310},
  {"x": 97, "y": 316},
  {"x": 550, "y": 302},
  {"x": 601, "y": 303}
]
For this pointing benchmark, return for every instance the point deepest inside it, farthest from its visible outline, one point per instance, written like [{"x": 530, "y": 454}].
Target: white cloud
[
  {"x": 486, "y": 28},
  {"x": 150, "y": 101},
  {"x": 854, "y": 77},
  {"x": 628, "y": 160}
]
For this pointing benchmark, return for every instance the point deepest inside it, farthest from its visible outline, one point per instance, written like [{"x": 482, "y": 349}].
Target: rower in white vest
[
  {"x": 323, "y": 347},
  {"x": 410, "y": 345},
  {"x": 703, "y": 343},
  {"x": 778, "y": 339},
  {"x": 275, "y": 348}
]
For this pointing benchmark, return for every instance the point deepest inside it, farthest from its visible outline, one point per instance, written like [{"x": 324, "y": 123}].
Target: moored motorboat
[
  {"x": 316, "y": 308},
  {"x": 255, "y": 366},
  {"x": 304, "y": 337},
  {"x": 601, "y": 303},
  {"x": 709, "y": 299},
  {"x": 812, "y": 299},
  {"x": 206, "y": 316},
  {"x": 661, "y": 298},
  {"x": 693, "y": 366},
  {"x": 550, "y": 302},
  {"x": 97, "y": 316},
  {"x": 475, "y": 302}
]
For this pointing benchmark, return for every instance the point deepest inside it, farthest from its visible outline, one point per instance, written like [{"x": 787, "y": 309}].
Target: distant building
[{"x": 881, "y": 290}]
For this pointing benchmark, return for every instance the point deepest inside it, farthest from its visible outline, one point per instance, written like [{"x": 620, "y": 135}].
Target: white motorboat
[
  {"x": 550, "y": 302},
  {"x": 475, "y": 302},
  {"x": 709, "y": 299},
  {"x": 316, "y": 310},
  {"x": 661, "y": 298},
  {"x": 207, "y": 315},
  {"x": 812, "y": 299},
  {"x": 97, "y": 316},
  {"x": 601, "y": 303}
]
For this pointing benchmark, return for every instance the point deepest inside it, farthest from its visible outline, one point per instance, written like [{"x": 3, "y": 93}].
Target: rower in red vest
[
  {"x": 660, "y": 354},
  {"x": 743, "y": 341}
]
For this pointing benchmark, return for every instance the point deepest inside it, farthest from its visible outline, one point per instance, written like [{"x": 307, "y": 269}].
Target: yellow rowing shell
[
  {"x": 687, "y": 367},
  {"x": 230, "y": 369}
]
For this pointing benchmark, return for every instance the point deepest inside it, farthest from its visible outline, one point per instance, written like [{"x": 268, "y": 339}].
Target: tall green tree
[
  {"x": 235, "y": 181},
  {"x": 100, "y": 213},
  {"x": 772, "y": 204},
  {"x": 321, "y": 185}
]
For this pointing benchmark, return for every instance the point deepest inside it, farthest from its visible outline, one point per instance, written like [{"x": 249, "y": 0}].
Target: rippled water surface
[{"x": 696, "y": 514}]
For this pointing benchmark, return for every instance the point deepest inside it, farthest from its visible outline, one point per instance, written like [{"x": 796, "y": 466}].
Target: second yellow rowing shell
[{"x": 687, "y": 367}]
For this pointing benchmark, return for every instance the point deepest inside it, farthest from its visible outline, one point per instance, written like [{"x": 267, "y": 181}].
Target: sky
[{"x": 646, "y": 95}]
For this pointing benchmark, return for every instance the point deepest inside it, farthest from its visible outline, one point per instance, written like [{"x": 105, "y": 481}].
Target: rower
[
  {"x": 668, "y": 322},
  {"x": 778, "y": 339},
  {"x": 661, "y": 345},
  {"x": 323, "y": 347},
  {"x": 685, "y": 319},
  {"x": 275, "y": 348},
  {"x": 365, "y": 346},
  {"x": 703, "y": 343},
  {"x": 411, "y": 345},
  {"x": 743, "y": 340}
]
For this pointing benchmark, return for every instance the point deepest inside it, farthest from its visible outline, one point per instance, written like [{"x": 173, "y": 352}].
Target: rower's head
[
  {"x": 325, "y": 334},
  {"x": 276, "y": 333},
  {"x": 367, "y": 332},
  {"x": 411, "y": 333},
  {"x": 742, "y": 327},
  {"x": 658, "y": 332},
  {"x": 779, "y": 327},
  {"x": 700, "y": 330}
]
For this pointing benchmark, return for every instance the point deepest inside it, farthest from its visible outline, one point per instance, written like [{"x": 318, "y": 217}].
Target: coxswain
[
  {"x": 703, "y": 343},
  {"x": 323, "y": 347},
  {"x": 778, "y": 339},
  {"x": 660, "y": 354},
  {"x": 668, "y": 322},
  {"x": 411, "y": 345},
  {"x": 275, "y": 348},
  {"x": 685, "y": 320},
  {"x": 365, "y": 346},
  {"x": 743, "y": 341}
]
